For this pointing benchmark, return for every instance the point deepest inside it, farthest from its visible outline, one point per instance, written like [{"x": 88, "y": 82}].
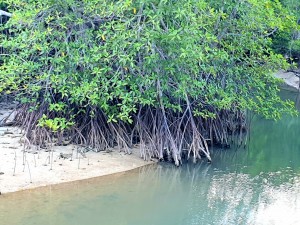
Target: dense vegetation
[{"x": 173, "y": 76}]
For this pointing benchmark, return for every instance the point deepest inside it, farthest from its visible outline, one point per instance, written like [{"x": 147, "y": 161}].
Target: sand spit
[{"x": 32, "y": 168}]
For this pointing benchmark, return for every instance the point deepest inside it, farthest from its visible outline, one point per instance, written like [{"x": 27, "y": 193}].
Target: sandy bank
[{"x": 21, "y": 171}]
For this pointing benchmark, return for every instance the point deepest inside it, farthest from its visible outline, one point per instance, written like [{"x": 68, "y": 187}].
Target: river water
[{"x": 256, "y": 185}]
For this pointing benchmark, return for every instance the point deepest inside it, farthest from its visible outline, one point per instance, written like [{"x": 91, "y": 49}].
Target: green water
[{"x": 256, "y": 185}]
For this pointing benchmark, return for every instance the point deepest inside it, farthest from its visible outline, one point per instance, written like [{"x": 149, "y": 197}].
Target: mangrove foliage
[{"x": 173, "y": 76}]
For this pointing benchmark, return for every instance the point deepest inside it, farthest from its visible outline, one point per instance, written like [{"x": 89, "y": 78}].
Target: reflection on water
[
  {"x": 192, "y": 194},
  {"x": 256, "y": 185}
]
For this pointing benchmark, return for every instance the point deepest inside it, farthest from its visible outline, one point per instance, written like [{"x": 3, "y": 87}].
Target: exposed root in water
[{"x": 160, "y": 133}]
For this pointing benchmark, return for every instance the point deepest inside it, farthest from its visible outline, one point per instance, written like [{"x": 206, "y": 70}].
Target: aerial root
[{"x": 165, "y": 135}]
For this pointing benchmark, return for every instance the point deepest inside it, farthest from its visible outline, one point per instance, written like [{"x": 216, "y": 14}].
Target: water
[{"x": 256, "y": 185}]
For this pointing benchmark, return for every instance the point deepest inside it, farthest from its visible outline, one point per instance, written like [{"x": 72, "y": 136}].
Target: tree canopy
[
  {"x": 287, "y": 41},
  {"x": 170, "y": 75}
]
